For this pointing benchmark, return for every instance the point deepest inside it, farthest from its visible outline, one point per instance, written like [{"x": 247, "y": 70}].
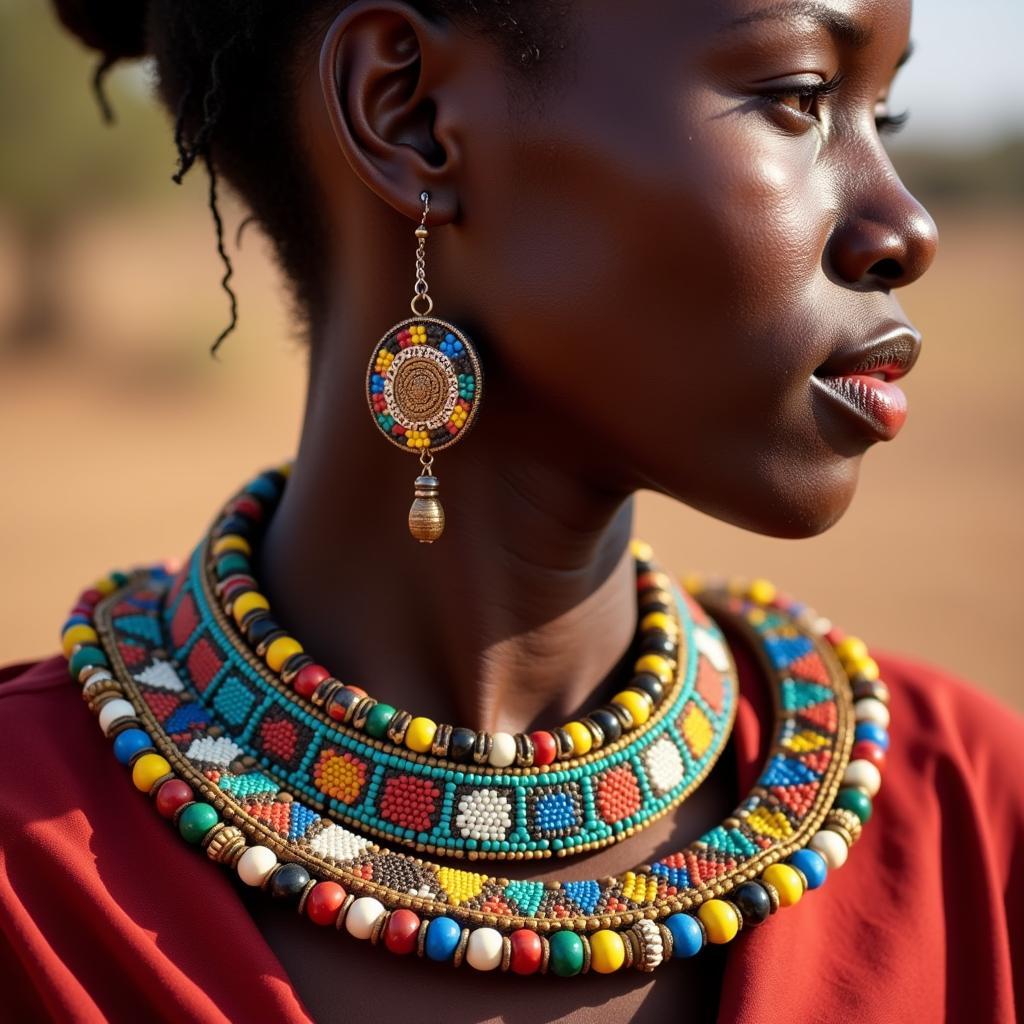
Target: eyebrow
[{"x": 843, "y": 27}]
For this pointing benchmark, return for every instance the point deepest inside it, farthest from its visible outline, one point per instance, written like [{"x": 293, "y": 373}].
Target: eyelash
[{"x": 886, "y": 124}]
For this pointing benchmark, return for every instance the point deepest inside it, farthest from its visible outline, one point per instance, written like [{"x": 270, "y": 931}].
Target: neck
[{"x": 523, "y": 608}]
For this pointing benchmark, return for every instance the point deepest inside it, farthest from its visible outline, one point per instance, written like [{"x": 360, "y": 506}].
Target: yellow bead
[
  {"x": 80, "y": 634},
  {"x": 148, "y": 769},
  {"x": 420, "y": 735},
  {"x": 280, "y": 651},
  {"x": 231, "y": 542},
  {"x": 105, "y": 585},
  {"x": 641, "y": 550},
  {"x": 607, "y": 951},
  {"x": 659, "y": 620},
  {"x": 786, "y": 881},
  {"x": 720, "y": 920},
  {"x": 656, "y": 665},
  {"x": 762, "y": 592},
  {"x": 866, "y": 667},
  {"x": 693, "y": 583},
  {"x": 247, "y": 602},
  {"x": 637, "y": 705},
  {"x": 851, "y": 648},
  {"x": 582, "y": 740}
]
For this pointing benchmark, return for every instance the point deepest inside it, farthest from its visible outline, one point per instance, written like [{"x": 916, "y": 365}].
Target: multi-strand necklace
[{"x": 287, "y": 775}]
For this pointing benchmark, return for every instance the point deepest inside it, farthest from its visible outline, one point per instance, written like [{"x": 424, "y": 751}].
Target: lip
[{"x": 860, "y": 378}]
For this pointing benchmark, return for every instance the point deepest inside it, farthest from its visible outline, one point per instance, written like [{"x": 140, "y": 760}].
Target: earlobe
[{"x": 380, "y": 64}]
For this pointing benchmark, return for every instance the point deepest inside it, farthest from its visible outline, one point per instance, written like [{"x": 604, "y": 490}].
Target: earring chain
[{"x": 420, "y": 287}]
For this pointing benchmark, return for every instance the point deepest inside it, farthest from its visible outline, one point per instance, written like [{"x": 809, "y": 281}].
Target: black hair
[{"x": 226, "y": 71}]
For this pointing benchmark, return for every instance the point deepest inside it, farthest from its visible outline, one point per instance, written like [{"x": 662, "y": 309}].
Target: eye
[
  {"x": 889, "y": 124},
  {"x": 802, "y": 97}
]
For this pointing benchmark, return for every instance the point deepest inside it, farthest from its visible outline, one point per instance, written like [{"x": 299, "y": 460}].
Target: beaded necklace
[{"x": 797, "y": 823}]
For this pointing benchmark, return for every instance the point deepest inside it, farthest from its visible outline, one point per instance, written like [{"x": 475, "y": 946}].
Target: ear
[{"x": 381, "y": 68}]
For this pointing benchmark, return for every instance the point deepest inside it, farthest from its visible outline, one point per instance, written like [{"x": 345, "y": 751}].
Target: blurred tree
[{"x": 59, "y": 157}]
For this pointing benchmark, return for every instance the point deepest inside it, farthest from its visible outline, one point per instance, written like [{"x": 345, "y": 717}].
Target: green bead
[
  {"x": 195, "y": 821},
  {"x": 86, "y": 656},
  {"x": 377, "y": 720},
  {"x": 566, "y": 954},
  {"x": 855, "y": 800}
]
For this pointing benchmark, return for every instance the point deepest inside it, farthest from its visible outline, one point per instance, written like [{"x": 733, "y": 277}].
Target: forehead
[{"x": 853, "y": 22}]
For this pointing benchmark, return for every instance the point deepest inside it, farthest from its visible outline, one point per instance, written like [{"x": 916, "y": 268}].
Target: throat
[{"x": 510, "y": 622}]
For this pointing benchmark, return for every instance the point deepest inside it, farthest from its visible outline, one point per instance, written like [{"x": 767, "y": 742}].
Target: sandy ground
[{"x": 927, "y": 562}]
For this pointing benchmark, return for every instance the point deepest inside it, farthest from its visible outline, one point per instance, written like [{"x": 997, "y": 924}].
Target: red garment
[{"x": 100, "y": 902}]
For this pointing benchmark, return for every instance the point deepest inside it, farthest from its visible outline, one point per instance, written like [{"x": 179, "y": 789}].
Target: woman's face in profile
[{"x": 696, "y": 227}]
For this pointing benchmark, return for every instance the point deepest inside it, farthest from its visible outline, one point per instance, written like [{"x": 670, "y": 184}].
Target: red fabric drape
[{"x": 106, "y": 914}]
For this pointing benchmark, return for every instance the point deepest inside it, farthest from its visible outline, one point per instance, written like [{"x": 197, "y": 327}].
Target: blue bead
[
  {"x": 129, "y": 742},
  {"x": 813, "y": 866},
  {"x": 76, "y": 620},
  {"x": 872, "y": 732},
  {"x": 263, "y": 487},
  {"x": 687, "y": 936},
  {"x": 442, "y": 937}
]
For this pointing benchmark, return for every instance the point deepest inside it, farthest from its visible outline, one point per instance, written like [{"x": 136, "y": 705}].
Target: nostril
[{"x": 888, "y": 270}]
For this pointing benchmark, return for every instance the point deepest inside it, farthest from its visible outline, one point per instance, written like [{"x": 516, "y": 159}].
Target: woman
[{"x": 665, "y": 241}]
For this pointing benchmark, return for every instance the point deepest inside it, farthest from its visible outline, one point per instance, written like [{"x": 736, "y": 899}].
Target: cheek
[{"x": 652, "y": 291}]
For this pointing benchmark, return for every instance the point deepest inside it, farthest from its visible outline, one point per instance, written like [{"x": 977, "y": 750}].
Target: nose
[{"x": 887, "y": 239}]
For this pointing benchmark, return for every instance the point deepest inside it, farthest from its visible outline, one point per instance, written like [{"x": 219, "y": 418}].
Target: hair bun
[{"x": 117, "y": 28}]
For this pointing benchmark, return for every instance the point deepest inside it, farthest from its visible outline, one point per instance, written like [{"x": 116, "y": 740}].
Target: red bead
[
  {"x": 647, "y": 581},
  {"x": 90, "y": 597},
  {"x": 835, "y": 636},
  {"x": 234, "y": 584},
  {"x": 174, "y": 793},
  {"x": 358, "y": 691},
  {"x": 324, "y": 901},
  {"x": 526, "y": 951},
  {"x": 246, "y": 505},
  {"x": 309, "y": 678},
  {"x": 865, "y": 750},
  {"x": 401, "y": 931},
  {"x": 544, "y": 747}
]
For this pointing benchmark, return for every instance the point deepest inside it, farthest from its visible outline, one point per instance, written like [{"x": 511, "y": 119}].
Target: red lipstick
[{"x": 860, "y": 379}]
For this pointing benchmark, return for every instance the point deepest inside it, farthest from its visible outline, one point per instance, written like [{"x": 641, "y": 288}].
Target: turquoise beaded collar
[
  {"x": 248, "y": 728},
  {"x": 796, "y": 825}
]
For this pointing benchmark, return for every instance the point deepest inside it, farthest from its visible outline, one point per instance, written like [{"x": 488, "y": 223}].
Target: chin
[{"x": 790, "y": 506}]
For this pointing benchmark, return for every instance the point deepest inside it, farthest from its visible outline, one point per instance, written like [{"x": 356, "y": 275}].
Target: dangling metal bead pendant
[{"x": 424, "y": 386}]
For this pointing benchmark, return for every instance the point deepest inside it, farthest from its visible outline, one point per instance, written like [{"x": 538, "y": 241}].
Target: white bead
[
  {"x": 484, "y": 949},
  {"x": 503, "y": 750},
  {"x": 362, "y": 916},
  {"x": 863, "y": 774},
  {"x": 97, "y": 675},
  {"x": 831, "y": 846},
  {"x": 871, "y": 710},
  {"x": 112, "y": 711},
  {"x": 255, "y": 864}
]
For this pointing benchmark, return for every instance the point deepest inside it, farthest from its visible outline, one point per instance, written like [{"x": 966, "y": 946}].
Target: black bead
[
  {"x": 753, "y": 901},
  {"x": 656, "y": 642},
  {"x": 460, "y": 746},
  {"x": 288, "y": 881},
  {"x": 258, "y": 629},
  {"x": 609, "y": 723},
  {"x": 650, "y": 684},
  {"x": 343, "y": 699},
  {"x": 642, "y": 566},
  {"x": 234, "y": 524},
  {"x": 646, "y": 607}
]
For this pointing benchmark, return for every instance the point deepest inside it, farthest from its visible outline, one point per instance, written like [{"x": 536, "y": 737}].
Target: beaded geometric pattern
[
  {"x": 423, "y": 384},
  {"x": 437, "y": 806},
  {"x": 188, "y": 709}
]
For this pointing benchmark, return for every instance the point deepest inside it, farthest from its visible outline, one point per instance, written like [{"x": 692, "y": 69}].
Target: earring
[{"x": 423, "y": 386}]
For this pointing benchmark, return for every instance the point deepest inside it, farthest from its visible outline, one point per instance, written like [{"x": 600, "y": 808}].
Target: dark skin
[{"x": 653, "y": 257}]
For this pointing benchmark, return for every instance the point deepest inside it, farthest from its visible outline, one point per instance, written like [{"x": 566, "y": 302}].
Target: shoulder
[
  {"x": 957, "y": 746},
  {"x": 937, "y": 713}
]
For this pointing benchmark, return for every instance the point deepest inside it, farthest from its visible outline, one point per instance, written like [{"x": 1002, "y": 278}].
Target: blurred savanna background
[{"x": 119, "y": 436}]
